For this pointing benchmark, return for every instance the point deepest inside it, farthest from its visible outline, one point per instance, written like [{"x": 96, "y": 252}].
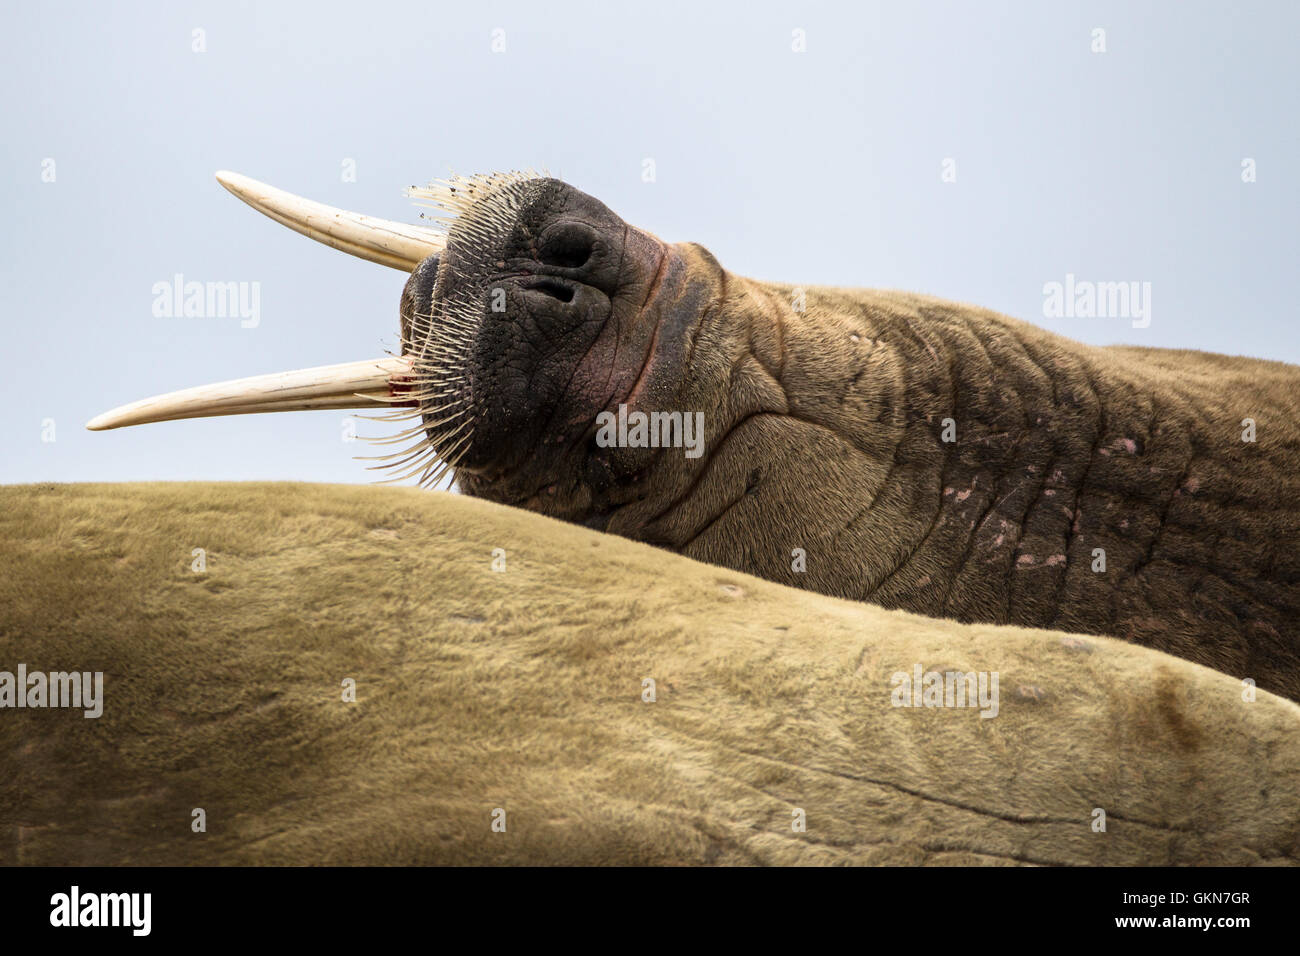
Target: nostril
[
  {"x": 567, "y": 245},
  {"x": 568, "y": 257},
  {"x": 552, "y": 287}
]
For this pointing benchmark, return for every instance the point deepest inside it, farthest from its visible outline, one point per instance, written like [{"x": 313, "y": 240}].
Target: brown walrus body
[
  {"x": 1101, "y": 490},
  {"x": 879, "y": 446}
]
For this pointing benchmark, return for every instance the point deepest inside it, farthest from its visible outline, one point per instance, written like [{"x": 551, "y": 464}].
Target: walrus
[{"x": 882, "y": 446}]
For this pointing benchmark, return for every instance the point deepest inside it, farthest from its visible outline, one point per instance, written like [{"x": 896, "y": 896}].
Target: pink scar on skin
[
  {"x": 1128, "y": 444},
  {"x": 1025, "y": 559},
  {"x": 947, "y": 491},
  {"x": 1055, "y": 560},
  {"x": 963, "y": 495},
  {"x": 923, "y": 582},
  {"x": 1191, "y": 485}
]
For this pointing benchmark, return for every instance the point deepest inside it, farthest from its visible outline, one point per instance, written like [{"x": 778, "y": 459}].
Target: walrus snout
[{"x": 540, "y": 314}]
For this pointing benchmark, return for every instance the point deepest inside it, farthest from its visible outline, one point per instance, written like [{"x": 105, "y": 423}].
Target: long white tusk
[
  {"x": 389, "y": 243},
  {"x": 374, "y": 384}
]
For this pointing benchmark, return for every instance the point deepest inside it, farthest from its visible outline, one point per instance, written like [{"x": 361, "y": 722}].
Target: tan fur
[{"x": 522, "y": 690}]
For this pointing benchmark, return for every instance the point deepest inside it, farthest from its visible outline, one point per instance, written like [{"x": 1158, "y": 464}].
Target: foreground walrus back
[
  {"x": 952, "y": 461},
  {"x": 525, "y": 690}
]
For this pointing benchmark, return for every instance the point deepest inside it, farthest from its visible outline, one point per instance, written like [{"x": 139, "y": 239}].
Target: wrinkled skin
[{"x": 825, "y": 436}]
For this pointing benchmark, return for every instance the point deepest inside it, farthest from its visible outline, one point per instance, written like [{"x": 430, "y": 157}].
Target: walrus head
[
  {"x": 531, "y": 310},
  {"x": 544, "y": 311}
]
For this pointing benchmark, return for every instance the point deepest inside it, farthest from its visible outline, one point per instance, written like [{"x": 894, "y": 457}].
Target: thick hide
[{"x": 524, "y": 690}]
